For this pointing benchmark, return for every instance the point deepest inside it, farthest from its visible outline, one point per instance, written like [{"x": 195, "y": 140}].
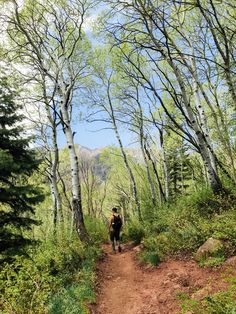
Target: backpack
[{"x": 117, "y": 222}]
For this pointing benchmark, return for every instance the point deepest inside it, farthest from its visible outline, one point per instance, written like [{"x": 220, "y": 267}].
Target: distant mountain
[
  {"x": 89, "y": 155},
  {"x": 94, "y": 153},
  {"x": 89, "y": 152}
]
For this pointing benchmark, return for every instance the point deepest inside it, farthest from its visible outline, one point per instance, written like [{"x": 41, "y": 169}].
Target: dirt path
[{"x": 125, "y": 288}]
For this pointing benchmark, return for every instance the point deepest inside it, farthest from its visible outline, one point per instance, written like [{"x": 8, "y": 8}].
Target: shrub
[
  {"x": 149, "y": 257},
  {"x": 212, "y": 261},
  {"x": 188, "y": 223},
  {"x": 58, "y": 277},
  {"x": 134, "y": 231},
  {"x": 224, "y": 228},
  {"x": 24, "y": 288},
  {"x": 73, "y": 298},
  {"x": 97, "y": 229}
]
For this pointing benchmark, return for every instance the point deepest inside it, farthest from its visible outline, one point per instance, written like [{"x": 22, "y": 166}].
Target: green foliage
[
  {"x": 18, "y": 162},
  {"x": 25, "y": 287},
  {"x": 220, "y": 303},
  {"x": 57, "y": 278},
  {"x": 73, "y": 298},
  {"x": 207, "y": 204},
  {"x": 224, "y": 228},
  {"x": 179, "y": 165},
  {"x": 150, "y": 257},
  {"x": 155, "y": 248},
  {"x": 96, "y": 229},
  {"x": 134, "y": 231},
  {"x": 212, "y": 261},
  {"x": 184, "y": 226}
]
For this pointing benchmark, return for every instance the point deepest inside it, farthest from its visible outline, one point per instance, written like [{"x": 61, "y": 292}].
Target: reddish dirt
[{"x": 124, "y": 287}]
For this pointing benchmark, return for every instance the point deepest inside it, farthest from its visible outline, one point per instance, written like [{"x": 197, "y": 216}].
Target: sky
[{"x": 93, "y": 135}]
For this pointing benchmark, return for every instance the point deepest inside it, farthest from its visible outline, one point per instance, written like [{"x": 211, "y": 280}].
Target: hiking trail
[{"x": 124, "y": 287}]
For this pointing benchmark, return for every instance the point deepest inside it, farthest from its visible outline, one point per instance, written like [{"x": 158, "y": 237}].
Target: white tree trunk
[
  {"x": 130, "y": 172},
  {"x": 54, "y": 162},
  {"x": 214, "y": 180},
  {"x": 75, "y": 180},
  {"x": 201, "y": 112}
]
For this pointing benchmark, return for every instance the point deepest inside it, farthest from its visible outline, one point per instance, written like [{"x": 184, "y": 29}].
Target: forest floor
[{"x": 126, "y": 287}]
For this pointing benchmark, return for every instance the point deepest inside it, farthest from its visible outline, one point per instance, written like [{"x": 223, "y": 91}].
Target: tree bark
[
  {"x": 161, "y": 192},
  {"x": 75, "y": 180},
  {"x": 165, "y": 166},
  {"x": 142, "y": 146},
  {"x": 129, "y": 170}
]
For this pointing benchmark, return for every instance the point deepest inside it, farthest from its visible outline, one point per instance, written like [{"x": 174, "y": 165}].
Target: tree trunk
[
  {"x": 54, "y": 160},
  {"x": 129, "y": 170},
  {"x": 200, "y": 109},
  {"x": 75, "y": 180},
  {"x": 161, "y": 192},
  {"x": 214, "y": 180},
  {"x": 142, "y": 146},
  {"x": 165, "y": 166}
]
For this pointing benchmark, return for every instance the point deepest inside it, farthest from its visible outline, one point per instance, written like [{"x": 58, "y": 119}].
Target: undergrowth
[
  {"x": 223, "y": 302},
  {"x": 184, "y": 226},
  {"x": 57, "y": 276}
]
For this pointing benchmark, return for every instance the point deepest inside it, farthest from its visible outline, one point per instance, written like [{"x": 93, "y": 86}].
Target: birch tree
[
  {"x": 47, "y": 37},
  {"x": 104, "y": 101},
  {"x": 151, "y": 30}
]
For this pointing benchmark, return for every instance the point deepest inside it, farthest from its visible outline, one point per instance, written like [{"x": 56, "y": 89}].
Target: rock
[
  {"x": 166, "y": 282},
  {"x": 165, "y": 297},
  {"x": 210, "y": 247},
  {"x": 202, "y": 293},
  {"x": 230, "y": 261},
  {"x": 138, "y": 248}
]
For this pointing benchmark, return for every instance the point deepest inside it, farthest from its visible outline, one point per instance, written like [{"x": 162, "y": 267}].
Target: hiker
[{"x": 115, "y": 225}]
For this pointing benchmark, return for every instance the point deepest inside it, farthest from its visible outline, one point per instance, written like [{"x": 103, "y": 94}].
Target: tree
[
  {"x": 47, "y": 37},
  {"x": 17, "y": 163},
  {"x": 106, "y": 102},
  {"x": 157, "y": 42}
]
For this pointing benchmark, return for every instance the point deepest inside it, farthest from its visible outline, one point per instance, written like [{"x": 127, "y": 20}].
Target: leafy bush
[
  {"x": 134, "y": 231},
  {"x": 155, "y": 249},
  {"x": 186, "y": 224},
  {"x": 224, "y": 228},
  {"x": 57, "y": 278},
  {"x": 97, "y": 229},
  {"x": 212, "y": 261},
  {"x": 25, "y": 288},
  {"x": 73, "y": 298},
  {"x": 150, "y": 257}
]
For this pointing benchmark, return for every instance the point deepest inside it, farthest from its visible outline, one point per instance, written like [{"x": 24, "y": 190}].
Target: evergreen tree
[
  {"x": 179, "y": 167},
  {"x": 17, "y": 162}
]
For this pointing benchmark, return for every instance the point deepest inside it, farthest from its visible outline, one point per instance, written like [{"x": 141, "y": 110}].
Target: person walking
[{"x": 115, "y": 224}]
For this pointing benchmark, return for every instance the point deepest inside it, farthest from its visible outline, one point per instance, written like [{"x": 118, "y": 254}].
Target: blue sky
[{"x": 92, "y": 135}]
